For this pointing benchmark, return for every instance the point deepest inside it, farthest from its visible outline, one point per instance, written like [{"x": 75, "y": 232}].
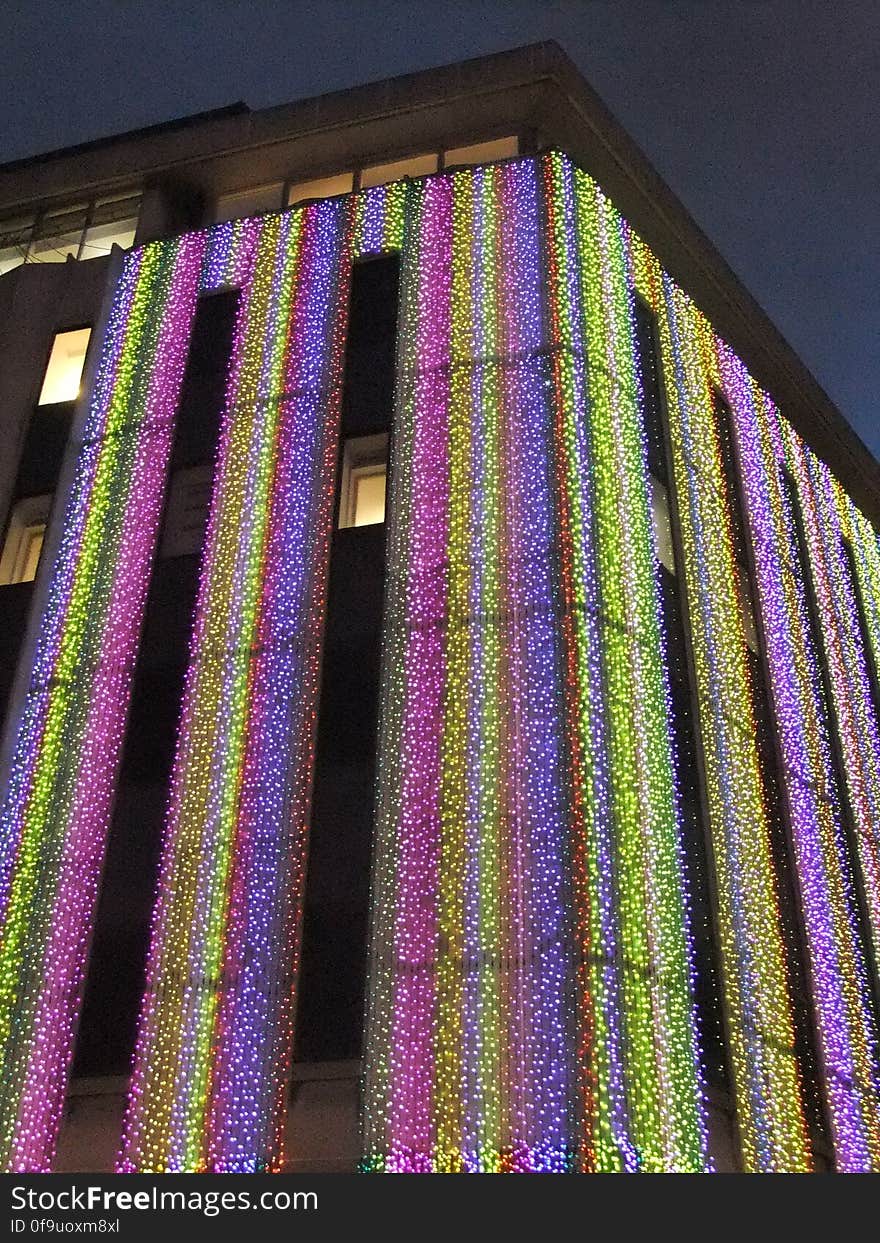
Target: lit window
[
  {"x": 417, "y": 166},
  {"x": 662, "y": 525},
  {"x": 64, "y": 373},
  {"x": 364, "y": 471},
  {"x": 483, "y": 152},
  {"x": 320, "y": 188},
  {"x": 112, "y": 221},
  {"x": 250, "y": 202},
  {"x": 15, "y": 235},
  {"x": 24, "y": 540},
  {"x": 58, "y": 235}
]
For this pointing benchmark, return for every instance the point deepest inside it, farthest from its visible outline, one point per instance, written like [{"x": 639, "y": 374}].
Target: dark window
[
  {"x": 39, "y": 469},
  {"x": 331, "y": 993}
]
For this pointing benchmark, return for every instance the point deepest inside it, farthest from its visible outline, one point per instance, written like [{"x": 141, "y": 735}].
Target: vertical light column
[
  {"x": 839, "y": 982},
  {"x": 208, "y": 1087},
  {"x": 488, "y": 776},
  {"x": 854, "y": 714},
  {"x": 543, "y": 1121},
  {"x": 57, "y": 804},
  {"x": 756, "y": 992},
  {"x": 601, "y": 1037},
  {"x": 254, "y": 1026},
  {"x": 463, "y": 630},
  {"x": 385, "y": 1144},
  {"x": 666, "y": 1125}
]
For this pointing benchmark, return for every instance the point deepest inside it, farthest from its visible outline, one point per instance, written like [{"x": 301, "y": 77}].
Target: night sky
[{"x": 762, "y": 115}]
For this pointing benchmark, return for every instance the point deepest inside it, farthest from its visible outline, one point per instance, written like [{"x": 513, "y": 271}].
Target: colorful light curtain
[
  {"x": 209, "y": 1080},
  {"x": 755, "y": 985},
  {"x": 212, "y": 1064},
  {"x": 531, "y": 994},
  {"x": 841, "y": 988},
  {"x": 530, "y": 1001},
  {"x": 57, "y": 801}
]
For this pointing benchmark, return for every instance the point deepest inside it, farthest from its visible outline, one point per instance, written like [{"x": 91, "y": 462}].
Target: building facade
[{"x": 441, "y": 622}]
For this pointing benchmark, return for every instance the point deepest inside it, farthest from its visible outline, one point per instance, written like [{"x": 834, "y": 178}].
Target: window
[
  {"x": 320, "y": 188},
  {"x": 793, "y": 931},
  {"x": 482, "y": 152},
  {"x": 364, "y": 471},
  {"x": 24, "y": 540},
  {"x": 78, "y": 231},
  {"x": 330, "y": 999},
  {"x": 416, "y": 166},
  {"x": 746, "y": 608},
  {"x": 413, "y": 166},
  {"x": 652, "y": 393},
  {"x": 736, "y": 509},
  {"x": 64, "y": 372},
  {"x": 15, "y": 236},
  {"x": 855, "y": 881},
  {"x": 249, "y": 202},
  {"x": 111, "y": 221}
]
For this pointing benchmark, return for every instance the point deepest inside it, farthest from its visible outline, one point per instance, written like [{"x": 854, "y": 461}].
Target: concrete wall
[{"x": 322, "y": 1122}]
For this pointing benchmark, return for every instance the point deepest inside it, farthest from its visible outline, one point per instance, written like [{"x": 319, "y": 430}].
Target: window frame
[
  {"x": 43, "y": 373},
  {"x": 374, "y": 460}
]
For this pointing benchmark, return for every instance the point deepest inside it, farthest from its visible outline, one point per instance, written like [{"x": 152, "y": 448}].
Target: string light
[
  {"x": 838, "y": 969},
  {"x": 213, "y": 1054},
  {"x": 58, "y": 797},
  {"x": 531, "y": 972},
  {"x": 540, "y": 952}
]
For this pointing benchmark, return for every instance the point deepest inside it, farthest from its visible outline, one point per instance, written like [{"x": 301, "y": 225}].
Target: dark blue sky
[{"x": 762, "y": 115}]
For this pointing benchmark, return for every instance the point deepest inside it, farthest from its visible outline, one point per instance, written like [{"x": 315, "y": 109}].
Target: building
[{"x": 597, "y": 706}]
